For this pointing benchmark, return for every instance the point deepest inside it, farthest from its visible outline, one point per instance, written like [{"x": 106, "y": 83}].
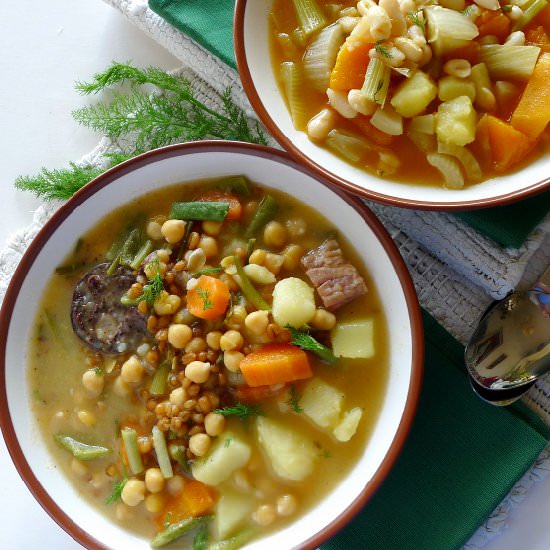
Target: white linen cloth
[{"x": 457, "y": 271}]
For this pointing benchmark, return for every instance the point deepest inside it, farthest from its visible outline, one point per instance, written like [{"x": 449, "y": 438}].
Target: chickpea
[
  {"x": 93, "y": 382},
  {"x": 214, "y": 424},
  {"x": 274, "y": 262},
  {"x": 178, "y": 396},
  {"x": 209, "y": 246},
  {"x": 154, "y": 480},
  {"x": 323, "y": 319},
  {"x": 232, "y": 360},
  {"x": 296, "y": 227},
  {"x": 264, "y": 515},
  {"x": 275, "y": 234},
  {"x": 236, "y": 318},
  {"x": 257, "y": 257},
  {"x": 212, "y": 228},
  {"x": 286, "y": 505},
  {"x": 121, "y": 388},
  {"x": 154, "y": 503},
  {"x": 86, "y": 417},
  {"x": 167, "y": 304},
  {"x": 123, "y": 512},
  {"x": 257, "y": 321},
  {"x": 173, "y": 230},
  {"x": 291, "y": 256},
  {"x": 231, "y": 340},
  {"x": 195, "y": 260},
  {"x": 133, "y": 492},
  {"x": 197, "y": 372},
  {"x": 154, "y": 230},
  {"x": 179, "y": 335},
  {"x": 199, "y": 444},
  {"x": 196, "y": 345},
  {"x": 132, "y": 371},
  {"x": 213, "y": 339}
]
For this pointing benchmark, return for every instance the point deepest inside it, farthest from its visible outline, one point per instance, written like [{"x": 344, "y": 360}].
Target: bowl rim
[
  {"x": 415, "y": 320},
  {"x": 263, "y": 113}
]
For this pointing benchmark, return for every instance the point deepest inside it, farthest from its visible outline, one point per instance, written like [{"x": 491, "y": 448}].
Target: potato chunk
[
  {"x": 414, "y": 95},
  {"x": 322, "y": 403},
  {"x": 348, "y": 425},
  {"x": 291, "y": 455},
  {"x": 228, "y": 453},
  {"x": 232, "y": 510},
  {"x": 456, "y": 121},
  {"x": 354, "y": 339}
]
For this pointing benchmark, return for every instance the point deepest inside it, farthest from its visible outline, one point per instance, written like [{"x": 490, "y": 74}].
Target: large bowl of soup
[
  {"x": 439, "y": 105},
  {"x": 211, "y": 346}
]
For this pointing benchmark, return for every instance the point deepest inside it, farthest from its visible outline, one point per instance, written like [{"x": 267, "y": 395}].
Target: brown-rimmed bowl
[
  {"x": 155, "y": 170},
  {"x": 257, "y": 72}
]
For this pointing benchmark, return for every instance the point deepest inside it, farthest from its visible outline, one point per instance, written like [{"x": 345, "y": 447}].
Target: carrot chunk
[
  {"x": 538, "y": 37},
  {"x": 275, "y": 364},
  {"x": 507, "y": 145},
  {"x": 493, "y": 22},
  {"x": 195, "y": 499},
  {"x": 247, "y": 394},
  {"x": 350, "y": 67},
  {"x": 209, "y": 298},
  {"x": 218, "y": 195},
  {"x": 533, "y": 110}
]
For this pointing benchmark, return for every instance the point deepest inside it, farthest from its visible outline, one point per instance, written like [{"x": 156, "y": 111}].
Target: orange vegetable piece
[
  {"x": 195, "y": 499},
  {"x": 350, "y": 67},
  {"x": 370, "y": 131},
  {"x": 533, "y": 110},
  {"x": 247, "y": 394},
  {"x": 543, "y": 18},
  {"x": 538, "y": 37},
  {"x": 275, "y": 364},
  {"x": 493, "y": 22},
  {"x": 470, "y": 52},
  {"x": 209, "y": 298},
  {"x": 507, "y": 145},
  {"x": 218, "y": 195}
]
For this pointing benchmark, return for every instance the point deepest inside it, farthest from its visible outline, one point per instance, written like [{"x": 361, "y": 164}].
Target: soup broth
[
  {"x": 107, "y": 416},
  {"x": 405, "y": 126}
]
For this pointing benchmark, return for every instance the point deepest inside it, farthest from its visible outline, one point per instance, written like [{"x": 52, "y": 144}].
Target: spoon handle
[{"x": 540, "y": 293}]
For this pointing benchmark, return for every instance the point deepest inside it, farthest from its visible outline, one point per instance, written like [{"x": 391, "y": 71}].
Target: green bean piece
[
  {"x": 200, "y": 540},
  {"x": 130, "y": 247},
  {"x": 250, "y": 248},
  {"x": 118, "y": 243},
  {"x": 160, "y": 378},
  {"x": 234, "y": 542},
  {"x": 68, "y": 270},
  {"x": 141, "y": 254},
  {"x": 161, "y": 450},
  {"x": 205, "y": 211},
  {"x": 236, "y": 184},
  {"x": 177, "y": 530},
  {"x": 265, "y": 212},
  {"x": 207, "y": 271},
  {"x": 81, "y": 451},
  {"x": 129, "y": 436},
  {"x": 250, "y": 293}
]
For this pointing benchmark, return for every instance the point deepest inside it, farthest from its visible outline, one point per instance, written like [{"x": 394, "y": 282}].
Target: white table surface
[{"x": 46, "y": 47}]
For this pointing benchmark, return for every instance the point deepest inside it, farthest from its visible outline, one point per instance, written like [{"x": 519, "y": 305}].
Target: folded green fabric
[
  {"x": 460, "y": 460},
  {"x": 210, "y": 23}
]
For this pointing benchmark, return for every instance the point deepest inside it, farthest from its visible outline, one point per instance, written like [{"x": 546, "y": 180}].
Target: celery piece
[
  {"x": 320, "y": 56},
  {"x": 250, "y": 293},
  {"x": 204, "y": 211},
  {"x": 158, "y": 383},
  {"x": 309, "y": 15},
  {"x": 293, "y": 81},
  {"x": 129, "y": 437},
  {"x": 141, "y": 254},
  {"x": 234, "y": 542},
  {"x": 163, "y": 458},
  {"x": 466, "y": 158},
  {"x": 350, "y": 146},
  {"x": 377, "y": 81},
  {"x": 264, "y": 213},
  {"x": 177, "y": 530},
  {"x": 236, "y": 184},
  {"x": 509, "y": 62},
  {"x": 81, "y": 451},
  {"x": 529, "y": 14},
  {"x": 449, "y": 168}
]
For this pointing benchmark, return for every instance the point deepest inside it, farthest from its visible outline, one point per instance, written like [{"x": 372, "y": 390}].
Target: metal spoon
[{"x": 510, "y": 347}]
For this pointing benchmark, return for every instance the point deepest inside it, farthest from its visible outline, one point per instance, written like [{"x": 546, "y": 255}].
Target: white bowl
[
  {"x": 252, "y": 50},
  {"x": 161, "y": 168}
]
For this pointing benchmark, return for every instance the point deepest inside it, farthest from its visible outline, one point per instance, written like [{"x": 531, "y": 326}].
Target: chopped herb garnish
[
  {"x": 294, "y": 400},
  {"x": 98, "y": 371},
  {"x": 379, "y": 87},
  {"x": 416, "y": 19},
  {"x": 152, "y": 290},
  {"x": 167, "y": 519},
  {"x": 117, "y": 491},
  {"x": 200, "y": 540},
  {"x": 227, "y": 442},
  {"x": 204, "y": 295},
  {"x": 468, "y": 10},
  {"x": 382, "y": 49},
  {"x": 307, "y": 342},
  {"x": 241, "y": 410},
  {"x": 506, "y": 8},
  {"x": 207, "y": 271}
]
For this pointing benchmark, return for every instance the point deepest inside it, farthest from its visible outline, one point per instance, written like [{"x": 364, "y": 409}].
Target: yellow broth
[
  {"x": 413, "y": 166},
  {"x": 58, "y": 359}
]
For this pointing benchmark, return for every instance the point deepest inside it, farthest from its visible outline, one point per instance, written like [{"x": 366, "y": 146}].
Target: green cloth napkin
[{"x": 210, "y": 23}]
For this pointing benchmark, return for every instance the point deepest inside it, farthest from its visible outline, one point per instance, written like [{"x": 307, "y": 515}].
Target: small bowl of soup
[
  {"x": 439, "y": 105},
  {"x": 197, "y": 338}
]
